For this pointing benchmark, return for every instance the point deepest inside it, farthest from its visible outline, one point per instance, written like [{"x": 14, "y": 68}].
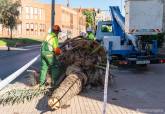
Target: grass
[
  {"x": 18, "y": 41},
  {"x": 2, "y": 43}
]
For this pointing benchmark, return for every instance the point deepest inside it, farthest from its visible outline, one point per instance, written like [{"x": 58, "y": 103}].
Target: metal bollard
[{"x": 32, "y": 77}]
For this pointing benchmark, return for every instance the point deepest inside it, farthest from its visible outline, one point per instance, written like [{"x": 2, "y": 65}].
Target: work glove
[{"x": 57, "y": 51}]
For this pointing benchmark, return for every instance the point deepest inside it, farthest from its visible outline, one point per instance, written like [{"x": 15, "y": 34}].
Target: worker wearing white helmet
[{"x": 90, "y": 34}]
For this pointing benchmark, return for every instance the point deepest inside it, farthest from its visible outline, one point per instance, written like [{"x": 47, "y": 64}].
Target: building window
[
  {"x": 43, "y": 14},
  {"x": 31, "y": 13},
  {"x": 81, "y": 21},
  {"x": 19, "y": 29},
  {"x": 20, "y": 12},
  {"x": 14, "y": 32},
  {"x": 32, "y": 28},
  {"x": 66, "y": 19},
  {"x": 35, "y": 13},
  {"x": 27, "y": 11},
  {"x": 42, "y": 28},
  {"x": 71, "y": 21},
  {"x": 40, "y": 14},
  {"x": 0, "y": 28},
  {"x": 27, "y": 28},
  {"x": 36, "y": 29}
]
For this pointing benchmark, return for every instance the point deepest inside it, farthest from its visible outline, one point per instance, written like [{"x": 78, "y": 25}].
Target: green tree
[
  {"x": 9, "y": 14},
  {"x": 90, "y": 18}
]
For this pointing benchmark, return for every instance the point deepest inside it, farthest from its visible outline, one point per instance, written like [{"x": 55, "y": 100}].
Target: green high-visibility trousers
[{"x": 48, "y": 60}]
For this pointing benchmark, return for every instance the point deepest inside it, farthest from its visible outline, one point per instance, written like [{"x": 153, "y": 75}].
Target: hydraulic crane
[{"x": 127, "y": 42}]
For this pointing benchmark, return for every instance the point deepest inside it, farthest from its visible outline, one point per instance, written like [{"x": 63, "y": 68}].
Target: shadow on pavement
[
  {"x": 42, "y": 105},
  {"x": 136, "y": 89}
]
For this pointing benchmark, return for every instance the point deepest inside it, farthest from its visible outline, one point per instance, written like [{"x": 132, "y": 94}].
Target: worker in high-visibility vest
[
  {"x": 90, "y": 34},
  {"x": 49, "y": 50}
]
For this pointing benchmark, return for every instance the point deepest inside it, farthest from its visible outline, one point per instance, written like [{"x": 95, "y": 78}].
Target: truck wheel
[{"x": 144, "y": 65}]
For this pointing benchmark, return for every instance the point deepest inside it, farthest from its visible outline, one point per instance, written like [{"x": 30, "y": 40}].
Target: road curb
[
  {"x": 19, "y": 47},
  {"x": 14, "y": 51}
]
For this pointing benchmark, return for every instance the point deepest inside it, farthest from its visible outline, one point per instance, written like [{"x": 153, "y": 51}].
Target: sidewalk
[{"x": 89, "y": 102}]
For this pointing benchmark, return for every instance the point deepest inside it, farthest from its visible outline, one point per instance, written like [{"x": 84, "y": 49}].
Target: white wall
[{"x": 164, "y": 16}]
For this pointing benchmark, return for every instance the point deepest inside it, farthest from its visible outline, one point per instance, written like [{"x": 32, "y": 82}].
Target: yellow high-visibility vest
[{"x": 52, "y": 41}]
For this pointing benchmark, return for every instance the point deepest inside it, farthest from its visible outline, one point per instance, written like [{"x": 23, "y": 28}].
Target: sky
[{"x": 102, "y": 4}]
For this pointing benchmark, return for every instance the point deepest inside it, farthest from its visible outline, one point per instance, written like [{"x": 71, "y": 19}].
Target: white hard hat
[
  {"x": 89, "y": 29},
  {"x": 49, "y": 31}
]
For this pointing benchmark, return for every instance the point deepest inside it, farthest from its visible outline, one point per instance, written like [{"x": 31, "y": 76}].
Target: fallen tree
[{"x": 85, "y": 61}]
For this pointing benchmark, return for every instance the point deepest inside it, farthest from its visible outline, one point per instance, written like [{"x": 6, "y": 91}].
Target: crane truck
[{"x": 126, "y": 39}]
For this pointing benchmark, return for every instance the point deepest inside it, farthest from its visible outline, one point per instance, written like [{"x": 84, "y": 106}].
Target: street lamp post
[
  {"x": 52, "y": 15},
  {"x": 121, "y": 5}
]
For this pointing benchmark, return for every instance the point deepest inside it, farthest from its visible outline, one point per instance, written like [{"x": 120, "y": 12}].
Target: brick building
[
  {"x": 36, "y": 16},
  {"x": 102, "y": 16}
]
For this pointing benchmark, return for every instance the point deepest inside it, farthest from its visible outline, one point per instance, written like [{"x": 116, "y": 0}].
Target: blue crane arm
[
  {"x": 118, "y": 24},
  {"x": 117, "y": 18}
]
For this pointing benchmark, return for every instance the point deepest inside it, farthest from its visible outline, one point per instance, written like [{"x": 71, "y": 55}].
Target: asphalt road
[
  {"x": 139, "y": 89},
  {"x": 10, "y": 63}
]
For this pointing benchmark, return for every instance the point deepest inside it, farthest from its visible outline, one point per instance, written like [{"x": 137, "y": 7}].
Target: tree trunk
[
  {"x": 11, "y": 33},
  {"x": 70, "y": 87},
  {"x": 8, "y": 48}
]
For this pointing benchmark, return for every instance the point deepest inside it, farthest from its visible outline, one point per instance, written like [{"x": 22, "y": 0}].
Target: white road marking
[{"x": 13, "y": 76}]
